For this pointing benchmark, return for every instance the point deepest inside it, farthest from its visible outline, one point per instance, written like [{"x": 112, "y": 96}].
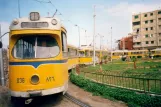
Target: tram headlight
[
  {"x": 15, "y": 22},
  {"x": 54, "y": 22},
  {"x": 34, "y": 16},
  {"x": 35, "y": 79}
]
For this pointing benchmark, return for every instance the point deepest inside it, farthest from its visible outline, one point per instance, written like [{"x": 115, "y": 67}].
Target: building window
[
  {"x": 159, "y": 26},
  {"x": 146, "y": 22},
  {"x": 145, "y": 15},
  {"x": 159, "y": 34},
  {"x": 151, "y": 28},
  {"x": 159, "y": 19},
  {"x": 136, "y": 17},
  {"x": 146, "y": 36},
  {"x": 151, "y": 21},
  {"x": 151, "y": 14},
  {"x": 152, "y": 42},
  {"x": 151, "y": 35},
  {"x": 146, "y": 29},
  {"x": 159, "y": 40},
  {"x": 136, "y": 23},
  {"x": 159, "y": 12},
  {"x": 147, "y": 42},
  {"x": 138, "y": 43}
]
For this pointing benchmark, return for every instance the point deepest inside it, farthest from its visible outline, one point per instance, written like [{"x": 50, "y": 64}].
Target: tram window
[
  {"x": 81, "y": 53},
  {"x": 46, "y": 45},
  {"x": 64, "y": 44},
  {"x": 35, "y": 47}
]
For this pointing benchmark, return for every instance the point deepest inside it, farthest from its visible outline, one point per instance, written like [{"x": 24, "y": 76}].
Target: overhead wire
[{"x": 57, "y": 11}]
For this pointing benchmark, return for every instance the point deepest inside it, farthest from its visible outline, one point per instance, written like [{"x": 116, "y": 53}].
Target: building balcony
[
  {"x": 135, "y": 20},
  {"x": 136, "y": 26},
  {"x": 149, "y": 45},
  {"x": 148, "y": 18},
  {"x": 149, "y": 39},
  {"x": 148, "y": 25},
  {"x": 159, "y": 22},
  {"x": 159, "y": 30},
  {"x": 159, "y": 15},
  {"x": 148, "y": 32},
  {"x": 137, "y": 46}
]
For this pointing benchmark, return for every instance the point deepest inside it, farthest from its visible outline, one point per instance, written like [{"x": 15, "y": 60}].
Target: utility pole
[
  {"x": 1, "y": 62},
  {"x": 111, "y": 44},
  {"x": 100, "y": 40},
  {"x": 79, "y": 37},
  {"x": 19, "y": 13},
  {"x": 94, "y": 37},
  {"x": 86, "y": 37}
]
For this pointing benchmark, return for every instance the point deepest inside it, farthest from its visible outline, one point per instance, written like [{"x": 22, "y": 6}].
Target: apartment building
[
  {"x": 126, "y": 43},
  {"x": 147, "y": 30}
]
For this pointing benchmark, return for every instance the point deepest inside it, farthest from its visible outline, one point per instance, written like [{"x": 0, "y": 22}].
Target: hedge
[{"x": 132, "y": 98}]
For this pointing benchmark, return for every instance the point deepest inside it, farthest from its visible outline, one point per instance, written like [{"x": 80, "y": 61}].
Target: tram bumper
[{"x": 35, "y": 93}]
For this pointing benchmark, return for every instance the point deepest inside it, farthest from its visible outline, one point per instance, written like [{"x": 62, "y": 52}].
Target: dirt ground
[
  {"x": 56, "y": 101},
  {"x": 94, "y": 101}
]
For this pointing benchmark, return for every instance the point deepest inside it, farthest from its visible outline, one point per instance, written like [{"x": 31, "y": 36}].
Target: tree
[{"x": 134, "y": 59}]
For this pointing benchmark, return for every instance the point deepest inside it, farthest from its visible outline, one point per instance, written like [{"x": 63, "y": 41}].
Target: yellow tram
[
  {"x": 37, "y": 56},
  {"x": 130, "y": 53},
  {"x": 156, "y": 53},
  {"x": 84, "y": 56},
  {"x": 73, "y": 58}
]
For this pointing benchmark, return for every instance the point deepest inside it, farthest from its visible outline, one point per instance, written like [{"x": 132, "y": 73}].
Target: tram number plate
[
  {"x": 50, "y": 79},
  {"x": 20, "y": 80}
]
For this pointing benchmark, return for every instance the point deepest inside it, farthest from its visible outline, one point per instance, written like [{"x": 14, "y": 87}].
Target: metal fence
[{"x": 136, "y": 82}]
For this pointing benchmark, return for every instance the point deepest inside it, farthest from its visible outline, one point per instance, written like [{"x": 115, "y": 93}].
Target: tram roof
[
  {"x": 72, "y": 46},
  {"x": 120, "y": 51},
  {"x": 157, "y": 49},
  {"x": 42, "y": 23}
]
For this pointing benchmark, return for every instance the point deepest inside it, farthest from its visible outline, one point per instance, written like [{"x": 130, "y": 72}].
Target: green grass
[
  {"x": 142, "y": 67},
  {"x": 145, "y": 69},
  {"x": 130, "y": 97}
]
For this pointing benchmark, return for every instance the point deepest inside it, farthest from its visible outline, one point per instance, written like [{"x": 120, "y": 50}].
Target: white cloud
[{"x": 4, "y": 29}]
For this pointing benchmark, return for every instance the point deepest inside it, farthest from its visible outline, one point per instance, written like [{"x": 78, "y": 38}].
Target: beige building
[{"x": 147, "y": 30}]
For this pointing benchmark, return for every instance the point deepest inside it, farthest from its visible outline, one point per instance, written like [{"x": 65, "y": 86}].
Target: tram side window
[{"x": 64, "y": 44}]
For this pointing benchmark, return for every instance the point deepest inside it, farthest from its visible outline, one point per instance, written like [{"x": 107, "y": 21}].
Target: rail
[
  {"x": 135, "y": 82},
  {"x": 76, "y": 101}
]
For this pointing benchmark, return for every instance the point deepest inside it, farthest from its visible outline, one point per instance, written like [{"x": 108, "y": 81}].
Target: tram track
[{"x": 76, "y": 101}]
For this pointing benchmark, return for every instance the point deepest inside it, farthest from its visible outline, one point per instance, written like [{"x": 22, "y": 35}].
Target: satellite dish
[{"x": 1, "y": 44}]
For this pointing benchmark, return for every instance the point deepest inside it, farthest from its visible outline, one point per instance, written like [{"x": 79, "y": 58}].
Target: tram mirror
[{"x": 1, "y": 44}]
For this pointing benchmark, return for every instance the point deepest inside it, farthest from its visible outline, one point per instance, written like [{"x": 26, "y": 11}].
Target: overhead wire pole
[
  {"x": 19, "y": 13},
  {"x": 1, "y": 62},
  {"x": 100, "y": 40},
  {"x": 94, "y": 37},
  {"x": 78, "y": 35},
  {"x": 86, "y": 37},
  {"x": 111, "y": 44}
]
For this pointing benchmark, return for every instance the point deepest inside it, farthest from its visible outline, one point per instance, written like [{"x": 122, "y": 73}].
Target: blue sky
[{"x": 109, "y": 13}]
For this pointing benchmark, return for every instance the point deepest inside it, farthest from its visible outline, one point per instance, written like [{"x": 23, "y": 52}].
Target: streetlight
[
  {"x": 78, "y": 35},
  {"x": 100, "y": 39},
  {"x": 94, "y": 37}
]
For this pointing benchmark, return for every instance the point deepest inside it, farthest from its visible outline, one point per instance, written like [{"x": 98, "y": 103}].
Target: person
[{"x": 43, "y": 43}]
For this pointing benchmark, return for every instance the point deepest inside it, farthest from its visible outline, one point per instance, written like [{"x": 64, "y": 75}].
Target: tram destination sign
[{"x": 34, "y": 24}]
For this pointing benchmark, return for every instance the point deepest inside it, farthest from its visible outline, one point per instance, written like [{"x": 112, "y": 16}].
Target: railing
[{"x": 136, "y": 82}]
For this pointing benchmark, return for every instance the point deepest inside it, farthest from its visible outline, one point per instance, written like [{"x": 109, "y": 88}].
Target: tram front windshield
[{"x": 42, "y": 46}]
